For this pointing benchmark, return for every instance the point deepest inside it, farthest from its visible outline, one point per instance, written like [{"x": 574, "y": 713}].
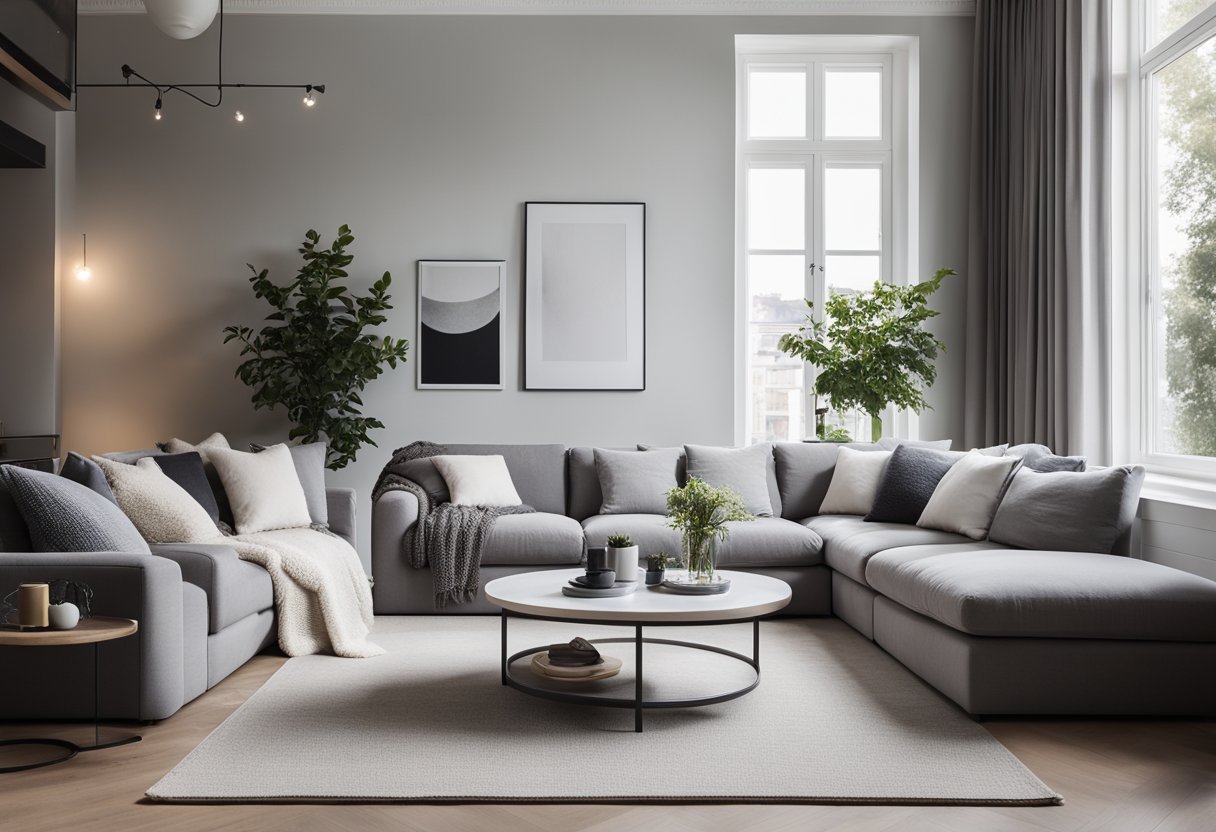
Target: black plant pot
[{"x": 654, "y": 577}]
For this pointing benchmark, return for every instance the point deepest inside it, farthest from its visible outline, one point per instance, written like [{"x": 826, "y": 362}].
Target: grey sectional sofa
[
  {"x": 202, "y": 613},
  {"x": 998, "y": 630}
]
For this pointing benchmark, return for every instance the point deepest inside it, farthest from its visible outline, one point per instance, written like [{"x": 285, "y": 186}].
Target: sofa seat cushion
[
  {"x": 1039, "y": 594},
  {"x": 765, "y": 541},
  {"x": 849, "y": 541},
  {"x": 536, "y": 539},
  {"x": 235, "y": 588}
]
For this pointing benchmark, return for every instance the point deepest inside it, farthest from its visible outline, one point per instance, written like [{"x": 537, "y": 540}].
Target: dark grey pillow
[
  {"x": 635, "y": 482},
  {"x": 187, "y": 471},
  {"x": 912, "y": 474},
  {"x": 309, "y": 461},
  {"x": 88, "y": 473},
  {"x": 424, "y": 473},
  {"x": 226, "y": 522},
  {"x": 65, "y": 516},
  {"x": 1070, "y": 511},
  {"x": 746, "y": 471},
  {"x": 14, "y": 536}
]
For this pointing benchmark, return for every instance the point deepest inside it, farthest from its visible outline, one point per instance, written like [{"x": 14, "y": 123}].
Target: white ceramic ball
[
  {"x": 182, "y": 19},
  {"x": 64, "y": 616}
]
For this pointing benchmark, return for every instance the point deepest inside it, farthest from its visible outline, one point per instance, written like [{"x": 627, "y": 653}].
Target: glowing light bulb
[
  {"x": 309, "y": 101},
  {"x": 239, "y": 116},
  {"x": 84, "y": 273},
  {"x": 158, "y": 108}
]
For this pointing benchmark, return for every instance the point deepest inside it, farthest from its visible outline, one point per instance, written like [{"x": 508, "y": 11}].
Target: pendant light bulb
[
  {"x": 83, "y": 272},
  {"x": 157, "y": 108},
  {"x": 239, "y": 116},
  {"x": 309, "y": 101}
]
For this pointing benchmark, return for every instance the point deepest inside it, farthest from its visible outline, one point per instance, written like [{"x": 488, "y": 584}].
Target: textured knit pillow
[
  {"x": 160, "y": 508},
  {"x": 855, "y": 481},
  {"x": 911, "y": 476},
  {"x": 423, "y": 473},
  {"x": 967, "y": 496},
  {"x": 65, "y": 516},
  {"x": 263, "y": 489},
  {"x": 310, "y": 468},
  {"x": 637, "y": 482},
  {"x": 215, "y": 441},
  {"x": 475, "y": 480},
  {"x": 88, "y": 473},
  {"x": 187, "y": 471},
  {"x": 746, "y": 471}
]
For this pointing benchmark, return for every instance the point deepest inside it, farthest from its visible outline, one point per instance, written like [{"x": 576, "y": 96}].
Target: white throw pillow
[
  {"x": 855, "y": 481},
  {"x": 263, "y": 489},
  {"x": 477, "y": 480},
  {"x": 162, "y": 510},
  {"x": 967, "y": 497}
]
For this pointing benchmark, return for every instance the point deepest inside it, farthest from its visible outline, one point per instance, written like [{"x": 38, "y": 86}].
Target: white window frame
[
  {"x": 896, "y": 152},
  {"x": 1135, "y": 204}
]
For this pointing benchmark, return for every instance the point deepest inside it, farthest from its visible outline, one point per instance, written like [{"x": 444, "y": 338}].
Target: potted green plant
[
  {"x": 872, "y": 350},
  {"x": 656, "y": 566},
  {"x": 700, "y": 513},
  {"x": 623, "y": 557},
  {"x": 314, "y": 357}
]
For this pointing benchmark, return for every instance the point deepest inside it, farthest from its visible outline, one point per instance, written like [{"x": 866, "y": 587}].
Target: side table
[{"x": 93, "y": 631}]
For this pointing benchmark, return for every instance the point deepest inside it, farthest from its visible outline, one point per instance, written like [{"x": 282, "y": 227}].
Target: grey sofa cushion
[
  {"x": 911, "y": 475},
  {"x": 533, "y": 539},
  {"x": 649, "y": 531},
  {"x": 424, "y": 473},
  {"x": 187, "y": 471},
  {"x": 583, "y": 483},
  {"x": 637, "y": 483},
  {"x": 890, "y": 443},
  {"x": 1072, "y": 511},
  {"x": 88, "y": 473},
  {"x": 765, "y": 541},
  {"x": 804, "y": 472},
  {"x": 750, "y": 472},
  {"x": 235, "y": 588},
  {"x": 309, "y": 461},
  {"x": 850, "y": 541},
  {"x": 65, "y": 516},
  {"x": 1036, "y": 457},
  {"x": 1047, "y": 594},
  {"x": 538, "y": 472}
]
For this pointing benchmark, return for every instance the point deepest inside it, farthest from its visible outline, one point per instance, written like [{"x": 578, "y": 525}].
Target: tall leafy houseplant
[
  {"x": 315, "y": 356},
  {"x": 700, "y": 513},
  {"x": 871, "y": 349}
]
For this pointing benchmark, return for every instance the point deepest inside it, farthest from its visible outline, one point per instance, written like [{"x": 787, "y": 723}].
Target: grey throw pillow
[
  {"x": 309, "y": 461},
  {"x": 1036, "y": 457},
  {"x": 637, "y": 482},
  {"x": 746, "y": 471},
  {"x": 890, "y": 443},
  {"x": 65, "y": 516},
  {"x": 88, "y": 473},
  {"x": 424, "y": 473},
  {"x": 1070, "y": 511},
  {"x": 14, "y": 536},
  {"x": 911, "y": 477},
  {"x": 187, "y": 471}
]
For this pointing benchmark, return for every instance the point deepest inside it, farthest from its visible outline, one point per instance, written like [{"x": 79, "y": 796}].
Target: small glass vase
[{"x": 700, "y": 554}]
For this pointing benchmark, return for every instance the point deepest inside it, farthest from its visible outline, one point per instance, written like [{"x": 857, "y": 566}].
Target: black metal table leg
[
  {"x": 756, "y": 643},
  {"x": 97, "y": 743},
  {"x": 504, "y": 646},
  {"x": 637, "y": 682}
]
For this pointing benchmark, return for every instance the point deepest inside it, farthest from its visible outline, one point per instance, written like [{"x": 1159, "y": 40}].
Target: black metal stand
[
  {"x": 638, "y": 703},
  {"x": 72, "y": 748}
]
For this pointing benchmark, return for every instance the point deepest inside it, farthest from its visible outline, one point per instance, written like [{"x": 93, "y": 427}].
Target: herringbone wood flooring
[{"x": 1115, "y": 775}]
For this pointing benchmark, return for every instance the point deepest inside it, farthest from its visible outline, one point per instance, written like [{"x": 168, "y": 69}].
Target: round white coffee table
[{"x": 538, "y": 595}]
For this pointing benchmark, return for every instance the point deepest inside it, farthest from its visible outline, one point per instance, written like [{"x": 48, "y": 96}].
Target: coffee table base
[{"x": 638, "y": 703}]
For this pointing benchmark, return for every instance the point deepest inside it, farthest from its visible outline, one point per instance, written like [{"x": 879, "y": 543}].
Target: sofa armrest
[
  {"x": 340, "y": 503},
  {"x": 235, "y": 588},
  {"x": 392, "y": 516},
  {"x": 144, "y": 673}
]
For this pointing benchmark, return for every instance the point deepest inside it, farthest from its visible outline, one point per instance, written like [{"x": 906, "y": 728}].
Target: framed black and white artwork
[
  {"x": 460, "y": 326},
  {"x": 585, "y": 296}
]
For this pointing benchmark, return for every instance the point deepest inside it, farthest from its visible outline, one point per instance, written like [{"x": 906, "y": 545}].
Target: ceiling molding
[{"x": 906, "y": 8}]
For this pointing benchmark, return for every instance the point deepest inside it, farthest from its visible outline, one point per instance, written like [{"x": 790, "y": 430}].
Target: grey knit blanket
[{"x": 448, "y": 538}]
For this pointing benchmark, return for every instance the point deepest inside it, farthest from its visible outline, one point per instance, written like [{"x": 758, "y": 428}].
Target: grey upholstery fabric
[
  {"x": 1075, "y": 512},
  {"x": 1038, "y": 275},
  {"x": 1051, "y": 676},
  {"x": 533, "y": 539},
  {"x": 132, "y": 457},
  {"x": 393, "y": 513},
  {"x": 238, "y": 643},
  {"x": 804, "y": 472},
  {"x": 765, "y": 541},
  {"x": 538, "y": 472},
  {"x": 1047, "y": 594},
  {"x": 583, "y": 483},
  {"x": 65, "y": 516},
  {"x": 649, "y": 531},
  {"x": 340, "y": 506},
  {"x": 309, "y": 462},
  {"x": 908, "y": 482},
  {"x": 637, "y": 483},
  {"x": 187, "y": 471},
  {"x": 14, "y": 535},
  {"x": 1036, "y": 457},
  {"x": 142, "y": 676},
  {"x": 194, "y": 642},
  {"x": 234, "y": 588},
  {"x": 423, "y": 472},
  {"x": 88, "y": 473},
  {"x": 750, "y": 472},
  {"x": 849, "y": 541},
  {"x": 682, "y": 465},
  {"x": 890, "y": 443},
  {"x": 853, "y": 604}
]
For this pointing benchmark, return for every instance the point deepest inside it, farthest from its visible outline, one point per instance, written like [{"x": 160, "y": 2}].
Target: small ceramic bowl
[{"x": 599, "y": 580}]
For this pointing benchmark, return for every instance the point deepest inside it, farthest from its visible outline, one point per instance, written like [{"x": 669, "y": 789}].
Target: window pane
[
  {"x": 778, "y": 406},
  {"x": 776, "y": 205},
  {"x": 1166, "y": 16},
  {"x": 1185, "y": 350},
  {"x": 852, "y": 209},
  {"x": 850, "y": 275},
  {"x": 776, "y": 104},
  {"x": 852, "y": 104},
  {"x": 777, "y": 287}
]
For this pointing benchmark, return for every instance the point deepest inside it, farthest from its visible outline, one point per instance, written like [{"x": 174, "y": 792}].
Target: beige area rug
[{"x": 834, "y": 720}]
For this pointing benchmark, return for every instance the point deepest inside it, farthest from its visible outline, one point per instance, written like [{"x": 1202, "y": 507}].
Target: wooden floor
[{"x": 1115, "y": 775}]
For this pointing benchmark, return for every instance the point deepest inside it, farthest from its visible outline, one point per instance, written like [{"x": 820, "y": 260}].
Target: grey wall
[
  {"x": 28, "y": 269},
  {"x": 434, "y": 132}
]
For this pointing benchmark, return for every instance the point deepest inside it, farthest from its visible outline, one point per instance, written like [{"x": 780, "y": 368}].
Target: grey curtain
[{"x": 1038, "y": 278}]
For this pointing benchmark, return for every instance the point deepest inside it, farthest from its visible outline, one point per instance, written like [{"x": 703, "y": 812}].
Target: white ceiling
[{"x": 569, "y": 7}]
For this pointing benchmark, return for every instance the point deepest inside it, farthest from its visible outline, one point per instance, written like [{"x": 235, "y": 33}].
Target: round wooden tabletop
[{"x": 88, "y": 631}]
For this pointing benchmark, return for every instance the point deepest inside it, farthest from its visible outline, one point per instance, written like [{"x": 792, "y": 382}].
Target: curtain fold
[{"x": 1038, "y": 278}]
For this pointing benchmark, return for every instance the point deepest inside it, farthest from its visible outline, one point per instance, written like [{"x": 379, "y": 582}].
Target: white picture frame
[{"x": 461, "y": 334}]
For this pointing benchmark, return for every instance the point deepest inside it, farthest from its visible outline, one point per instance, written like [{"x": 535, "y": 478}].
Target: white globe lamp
[{"x": 182, "y": 19}]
